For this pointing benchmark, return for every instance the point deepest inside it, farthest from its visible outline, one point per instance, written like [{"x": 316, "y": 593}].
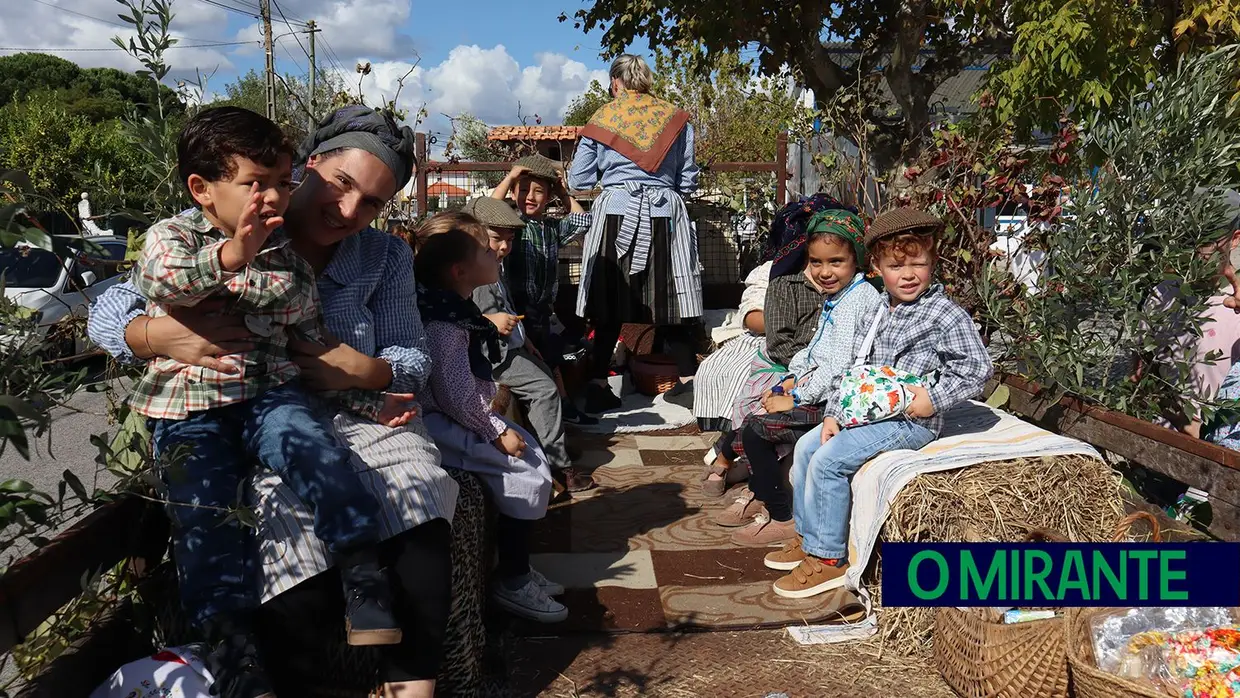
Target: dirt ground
[{"x": 757, "y": 664}]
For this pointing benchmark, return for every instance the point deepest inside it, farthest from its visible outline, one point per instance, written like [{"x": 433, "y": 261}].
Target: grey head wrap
[{"x": 366, "y": 129}]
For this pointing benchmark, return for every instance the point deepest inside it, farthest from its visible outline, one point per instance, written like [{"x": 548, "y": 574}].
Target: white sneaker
[
  {"x": 530, "y": 601},
  {"x": 549, "y": 587}
]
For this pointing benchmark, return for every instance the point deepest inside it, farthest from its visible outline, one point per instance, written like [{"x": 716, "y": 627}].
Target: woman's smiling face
[{"x": 340, "y": 194}]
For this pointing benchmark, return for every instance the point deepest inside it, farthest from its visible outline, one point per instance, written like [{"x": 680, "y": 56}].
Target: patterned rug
[
  {"x": 641, "y": 554},
  {"x": 639, "y": 413}
]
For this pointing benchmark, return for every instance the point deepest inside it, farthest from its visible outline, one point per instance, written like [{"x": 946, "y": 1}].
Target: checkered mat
[{"x": 640, "y": 553}]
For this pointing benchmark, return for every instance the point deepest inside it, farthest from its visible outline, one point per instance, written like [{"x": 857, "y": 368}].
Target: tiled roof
[
  {"x": 450, "y": 190},
  {"x": 534, "y": 133}
]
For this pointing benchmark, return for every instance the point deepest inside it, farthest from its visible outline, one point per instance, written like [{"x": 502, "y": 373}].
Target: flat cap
[
  {"x": 540, "y": 166},
  {"x": 493, "y": 213},
  {"x": 902, "y": 220}
]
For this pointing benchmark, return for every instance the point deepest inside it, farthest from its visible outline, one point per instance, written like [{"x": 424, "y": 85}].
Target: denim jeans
[
  {"x": 211, "y": 453},
  {"x": 822, "y": 478}
]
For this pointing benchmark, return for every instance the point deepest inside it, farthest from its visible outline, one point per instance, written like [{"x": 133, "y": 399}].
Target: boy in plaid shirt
[
  {"x": 532, "y": 270},
  {"x": 921, "y": 332},
  {"x": 237, "y": 166}
]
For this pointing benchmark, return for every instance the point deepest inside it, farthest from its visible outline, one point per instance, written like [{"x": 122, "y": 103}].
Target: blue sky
[{"x": 484, "y": 57}]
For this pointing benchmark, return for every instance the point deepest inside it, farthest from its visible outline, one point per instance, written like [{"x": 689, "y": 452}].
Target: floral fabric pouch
[{"x": 871, "y": 393}]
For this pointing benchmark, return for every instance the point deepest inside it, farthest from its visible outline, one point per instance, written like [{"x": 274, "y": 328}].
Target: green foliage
[
  {"x": 292, "y": 98},
  {"x": 469, "y": 142},
  {"x": 1152, "y": 213},
  {"x": 889, "y": 36},
  {"x": 31, "y": 386},
  {"x": 64, "y": 154},
  {"x": 98, "y": 94},
  {"x": 737, "y": 116},
  {"x": 1206, "y": 23},
  {"x": 583, "y": 107},
  {"x": 1087, "y": 55},
  {"x": 154, "y": 136}
]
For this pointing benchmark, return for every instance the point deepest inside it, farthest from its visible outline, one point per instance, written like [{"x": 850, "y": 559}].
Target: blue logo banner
[{"x": 1061, "y": 574}]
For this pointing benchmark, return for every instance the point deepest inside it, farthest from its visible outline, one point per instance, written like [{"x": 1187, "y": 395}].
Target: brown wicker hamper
[{"x": 981, "y": 657}]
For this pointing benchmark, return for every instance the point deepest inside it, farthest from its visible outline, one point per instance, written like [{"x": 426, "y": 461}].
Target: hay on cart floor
[{"x": 1074, "y": 496}]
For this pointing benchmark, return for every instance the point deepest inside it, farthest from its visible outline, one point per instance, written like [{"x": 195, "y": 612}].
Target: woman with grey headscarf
[{"x": 349, "y": 168}]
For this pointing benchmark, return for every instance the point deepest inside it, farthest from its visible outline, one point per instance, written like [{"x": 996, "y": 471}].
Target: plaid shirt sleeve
[
  {"x": 176, "y": 268},
  {"x": 966, "y": 363},
  {"x": 110, "y": 315},
  {"x": 399, "y": 335},
  {"x": 778, "y": 314},
  {"x": 573, "y": 226}
]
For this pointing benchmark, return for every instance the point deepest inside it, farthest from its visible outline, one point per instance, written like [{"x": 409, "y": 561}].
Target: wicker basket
[
  {"x": 981, "y": 657},
  {"x": 1088, "y": 680},
  {"x": 653, "y": 374}
]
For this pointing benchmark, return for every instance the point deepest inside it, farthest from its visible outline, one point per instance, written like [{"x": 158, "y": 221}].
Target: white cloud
[
  {"x": 488, "y": 83},
  {"x": 351, "y": 29},
  {"x": 38, "y": 26}
]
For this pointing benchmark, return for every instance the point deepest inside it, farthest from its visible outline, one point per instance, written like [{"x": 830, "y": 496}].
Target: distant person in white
[{"x": 88, "y": 223}]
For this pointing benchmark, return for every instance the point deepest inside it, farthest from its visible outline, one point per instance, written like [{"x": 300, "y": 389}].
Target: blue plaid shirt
[
  {"x": 931, "y": 337},
  {"x": 369, "y": 301},
  {"x": 532, "y": 270}
]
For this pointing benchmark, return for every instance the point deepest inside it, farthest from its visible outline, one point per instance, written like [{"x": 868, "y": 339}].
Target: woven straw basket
[
  {"x": 981, "y": 657},
  {"x": 653, "y": 373},
  {"x": 1087, "y": 679}
]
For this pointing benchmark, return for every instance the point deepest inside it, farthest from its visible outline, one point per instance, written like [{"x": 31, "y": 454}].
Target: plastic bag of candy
[
  {"x": 1186, "y": 664},
  {"x": 1113, "y": 629}
]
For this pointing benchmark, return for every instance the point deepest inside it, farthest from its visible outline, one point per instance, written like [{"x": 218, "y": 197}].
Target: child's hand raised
[
  {"x": 510, "y": 443},
  {"x": 251, "y": 233},
  {"x": 398, "y": 409},
  {"x": 830, "y": 428},
  {"x": 921, "y": 406}
]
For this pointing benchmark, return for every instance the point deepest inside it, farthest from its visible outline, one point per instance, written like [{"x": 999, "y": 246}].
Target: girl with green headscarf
[{"x": 835, "y": 265}]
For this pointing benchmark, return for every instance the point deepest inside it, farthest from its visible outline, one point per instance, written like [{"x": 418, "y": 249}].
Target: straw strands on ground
[{"x": 1074, "y": 496}]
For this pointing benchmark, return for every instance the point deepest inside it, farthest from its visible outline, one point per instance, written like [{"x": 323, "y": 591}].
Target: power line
[
  {"x": 117, "y": 48},
  {"x": 290, "y": 56},
  {"x": 332, "y": 59},
  {"x": 292, "y": 16},
  {"x": 106, "y": 21},
  {"x": 290, "y": 28},
  {"x": 248, "y": 13},
  {"x": 331, "y": 55}
]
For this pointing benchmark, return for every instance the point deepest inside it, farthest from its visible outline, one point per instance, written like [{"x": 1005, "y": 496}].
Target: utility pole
[
  {"x": 312, "y": 29},
  {"x": 264, "y": 9}
]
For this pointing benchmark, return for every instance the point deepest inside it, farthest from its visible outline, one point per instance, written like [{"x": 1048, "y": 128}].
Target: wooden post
[
  {"x": 423, "y": 167},
  {"x": 269, "y": 73},
  {"x": 781, "y": 169}
]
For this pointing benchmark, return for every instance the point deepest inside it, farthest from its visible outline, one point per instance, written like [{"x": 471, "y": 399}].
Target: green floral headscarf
[{"x": 845, "y": 224}]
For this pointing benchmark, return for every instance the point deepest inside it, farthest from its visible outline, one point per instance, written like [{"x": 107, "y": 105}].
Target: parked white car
[{"x": 53, "y": 288}]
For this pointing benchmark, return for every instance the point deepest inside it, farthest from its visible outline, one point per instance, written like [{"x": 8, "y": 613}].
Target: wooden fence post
[
  {"x": 423, "y": 170},
  {"x": 781, "y": 169}
]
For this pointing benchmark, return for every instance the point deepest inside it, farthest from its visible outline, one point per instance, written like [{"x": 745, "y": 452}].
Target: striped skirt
[
  {"x": 399, "y": 466},
  {"x": 720, "y": 380},
  {"x": 649, "y": 296}
]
